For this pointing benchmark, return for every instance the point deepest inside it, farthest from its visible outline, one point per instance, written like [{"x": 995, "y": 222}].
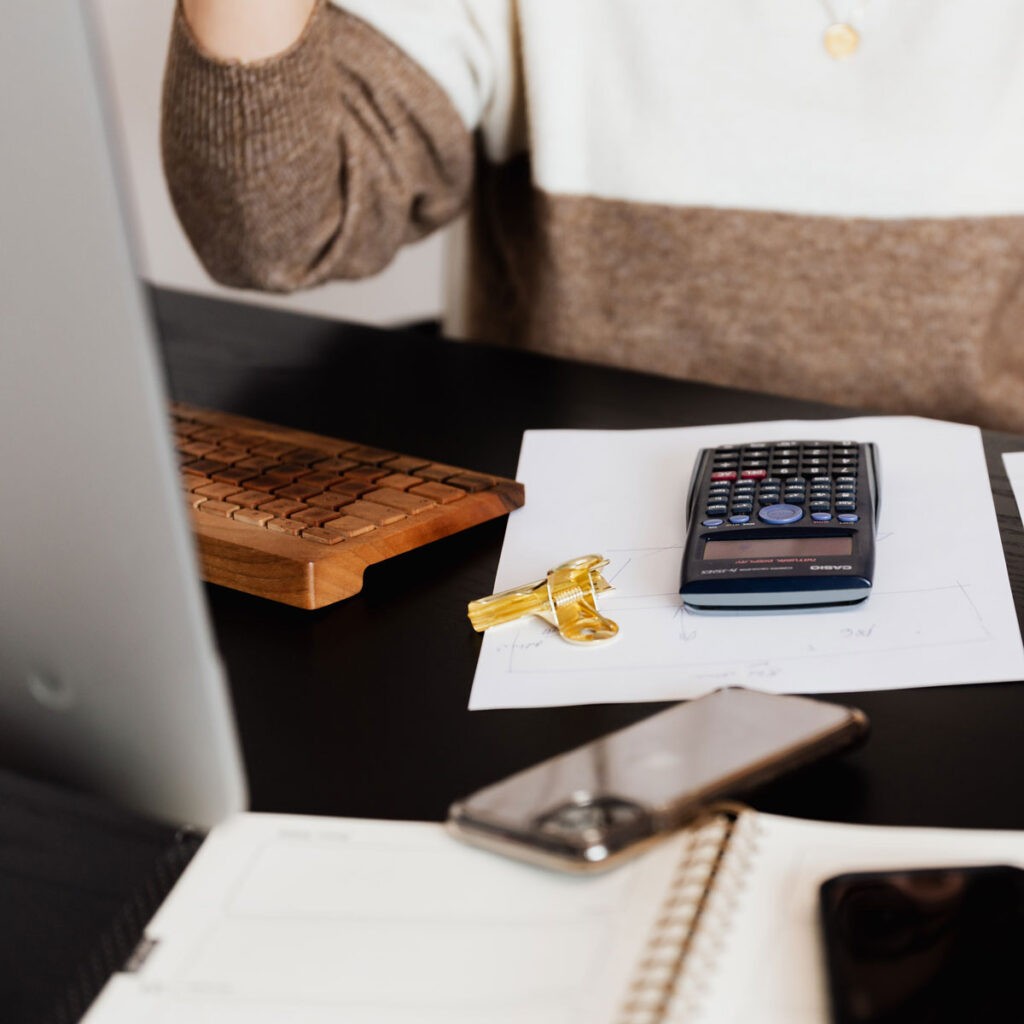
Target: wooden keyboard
[{"x": 297, "y": 517}]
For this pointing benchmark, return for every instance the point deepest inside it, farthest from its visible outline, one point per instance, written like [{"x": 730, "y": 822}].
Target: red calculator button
[
  {"x": 754, "y": 474},
  {"x": 725, "y": 475}
]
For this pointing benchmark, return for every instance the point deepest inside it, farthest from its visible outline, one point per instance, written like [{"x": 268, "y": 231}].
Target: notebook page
[
  {"x": 771, "y": 967},
  {"x": 313, "y": 920}
]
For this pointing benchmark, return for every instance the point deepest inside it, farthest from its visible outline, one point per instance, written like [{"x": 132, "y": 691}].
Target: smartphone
[
  {"x": 781, "y": 524},
  {"x": 929, "y": 945},
  {"x": 591, "y": 808}
]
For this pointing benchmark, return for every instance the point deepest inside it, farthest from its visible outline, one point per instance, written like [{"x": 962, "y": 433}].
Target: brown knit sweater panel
[
  {"x": 314, "y": 164},
  {"x": 918, "y": 316}
]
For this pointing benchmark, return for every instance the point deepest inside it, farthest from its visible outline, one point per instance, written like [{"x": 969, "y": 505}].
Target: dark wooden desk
[{"x": 361, "y": 709}]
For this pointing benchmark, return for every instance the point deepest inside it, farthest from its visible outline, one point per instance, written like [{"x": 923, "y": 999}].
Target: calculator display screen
[{"x": 778, "y": 547}]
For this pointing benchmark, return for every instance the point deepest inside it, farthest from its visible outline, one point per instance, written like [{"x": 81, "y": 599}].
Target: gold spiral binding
[{"x": 672, "y": 976}]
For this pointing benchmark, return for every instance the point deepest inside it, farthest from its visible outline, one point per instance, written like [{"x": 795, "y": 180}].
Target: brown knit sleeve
[{"x": 316, "y": 163}]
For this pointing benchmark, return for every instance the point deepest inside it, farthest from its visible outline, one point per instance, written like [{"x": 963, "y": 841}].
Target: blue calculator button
[
  {"x": 821, "y": 517},
  {"x": 712, "y": 522},
  {"x": 780, "y": 515},
  {"x": 848, "y": 517},
  {"x": 739, "y": 519}
]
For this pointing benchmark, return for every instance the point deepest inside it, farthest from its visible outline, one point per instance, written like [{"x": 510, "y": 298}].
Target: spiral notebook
[{"x": 312, "y": 920}]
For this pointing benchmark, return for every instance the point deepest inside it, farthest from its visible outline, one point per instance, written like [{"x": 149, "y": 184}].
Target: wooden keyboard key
[
  {"x": 471, "y": 482},
  {"x": 288, "y": 470},
  {"x": 437, "y": 471},
  {"x": 197, "y": 449},
  {"x": 219, "y": 491},
  {"x": 262, "y": 482},
  {"x": 321, "y": 536},
  {"x": 398, "y": 481},
  {"x": 252, "y": 516},
  {"x": 328, "y": 499},
  {"x": 227, "y": 455},
  {"x": 194, "y": 500},
  {"x": 366, "y": 453},
  {"x": 307, "y": 456},
  {"x": 313, "y": 516},
  {"x": 411, "y": 504},
  {"x": 349, "y": 526},
  {"x": 284, "y": 507},
  {"x": 257, "y": 463},
  {"x": 202, "y": 467},
  {"x": 218, "y": 508},
  {"x": 379, "y": 515},
  {"x": 275, "y": 449},
  {"x": 405, "y": 464},
  {"x": 336, "y": 464},
  {"x": 182, "y": 428},
  {"x": 234, "y": 475},
  {"x": 285, "y": 526},
  {"x": 368, "y": 473},
  {"x": 441, "y": 493},
  {"x": 210, "y": 434},
  {"x": 323, "y": 479},
  {"x": 299, "y": 491},
  {"x": 249, "y": 499},
  {"x": 351, "y": 489}
]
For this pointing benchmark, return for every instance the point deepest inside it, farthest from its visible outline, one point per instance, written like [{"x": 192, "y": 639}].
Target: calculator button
[
  {"x": 768, "y": 499},
  {"x": 754, "y": 474},
  {"x": 819, "y": 506},
  {"x": 821, "y": 517},
  {"x": 780, "y": 515},
  {"x": 724, "y": 474},
  {"x": 848, "y": 517},
  {"x": 846, "y": 506},
  {"x": 744, "y": 486},
  {"x": 716, "y": 510},
  {"x": 847, "y": 478},
  {"x": 737, "y": 520},
  {"x": 743, "y": 506}
]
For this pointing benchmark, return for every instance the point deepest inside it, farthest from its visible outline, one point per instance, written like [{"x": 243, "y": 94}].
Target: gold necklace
[{"x": 841, "y": 38}]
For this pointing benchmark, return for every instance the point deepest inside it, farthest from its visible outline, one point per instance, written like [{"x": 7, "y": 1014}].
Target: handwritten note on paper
[{"x": 941, "y": 611}]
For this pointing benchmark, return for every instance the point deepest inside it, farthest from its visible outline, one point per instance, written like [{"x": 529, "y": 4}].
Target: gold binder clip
[{"x": 567, "y": 598}]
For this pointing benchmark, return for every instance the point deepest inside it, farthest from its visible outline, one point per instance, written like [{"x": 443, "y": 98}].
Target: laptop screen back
[{"x": 109, "y": 678}]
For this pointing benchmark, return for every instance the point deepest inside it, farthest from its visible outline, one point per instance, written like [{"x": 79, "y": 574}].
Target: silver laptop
[{"x": 109, "y": 677}]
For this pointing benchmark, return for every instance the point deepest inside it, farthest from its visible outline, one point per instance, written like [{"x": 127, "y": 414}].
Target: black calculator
[{"x": 781, "y": 524}]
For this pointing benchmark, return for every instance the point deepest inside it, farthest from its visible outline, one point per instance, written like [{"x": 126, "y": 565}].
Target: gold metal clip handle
[{"x": 566, "y": 597}]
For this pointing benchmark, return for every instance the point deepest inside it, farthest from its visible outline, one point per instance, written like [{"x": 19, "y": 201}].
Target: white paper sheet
[{"x": 941, "y": 611}]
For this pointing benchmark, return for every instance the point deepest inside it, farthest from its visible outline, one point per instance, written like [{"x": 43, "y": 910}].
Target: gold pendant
[{"x": 841, "y": 40}]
